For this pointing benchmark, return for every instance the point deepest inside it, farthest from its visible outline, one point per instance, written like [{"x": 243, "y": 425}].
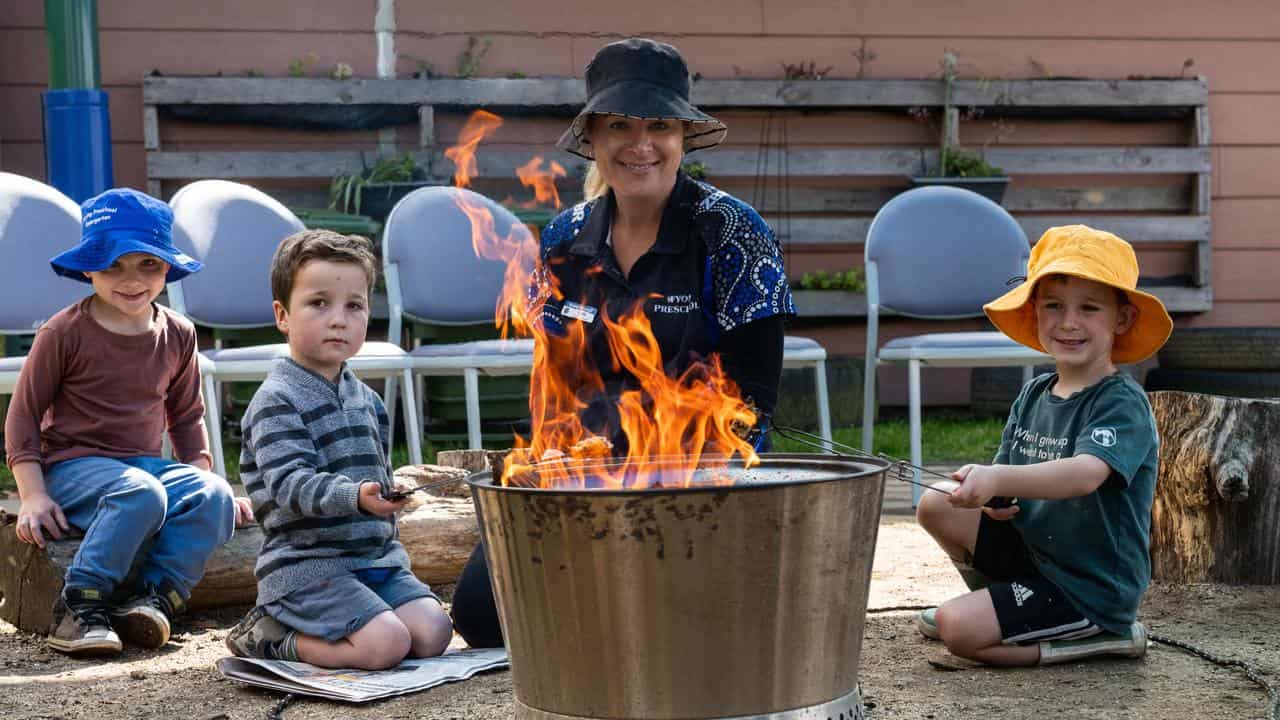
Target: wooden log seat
[{"x": 438, "y": 530}]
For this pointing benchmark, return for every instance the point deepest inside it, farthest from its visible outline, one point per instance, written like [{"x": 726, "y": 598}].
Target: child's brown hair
[{"x": 298, "y": 248}]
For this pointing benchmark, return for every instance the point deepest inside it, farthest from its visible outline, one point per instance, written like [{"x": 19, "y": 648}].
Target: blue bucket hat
[{"x": 118, "y": 222}]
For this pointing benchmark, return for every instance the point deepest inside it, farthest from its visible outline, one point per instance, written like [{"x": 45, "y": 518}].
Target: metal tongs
[
  {"x": 398, "y": 495},
  {"x": 901, "y": 469}
]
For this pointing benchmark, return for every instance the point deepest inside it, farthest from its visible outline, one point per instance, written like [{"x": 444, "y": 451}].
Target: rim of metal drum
[
  {"x": 837, "y": 466},
  {"x": 847, "y": 707}
]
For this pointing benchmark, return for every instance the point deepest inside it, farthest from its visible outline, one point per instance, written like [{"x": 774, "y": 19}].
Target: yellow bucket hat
[{"x": 1091, "y": 254}]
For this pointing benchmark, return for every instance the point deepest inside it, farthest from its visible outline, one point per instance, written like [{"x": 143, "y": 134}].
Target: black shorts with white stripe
[{"x": 1029, "y": 607}]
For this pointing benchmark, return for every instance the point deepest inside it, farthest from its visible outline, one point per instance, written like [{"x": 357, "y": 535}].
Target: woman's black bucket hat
[{"x": 646, "y": 80}]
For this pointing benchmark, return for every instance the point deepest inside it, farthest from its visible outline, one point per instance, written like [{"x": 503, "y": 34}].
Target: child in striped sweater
[{"x": 334, "y": 585}]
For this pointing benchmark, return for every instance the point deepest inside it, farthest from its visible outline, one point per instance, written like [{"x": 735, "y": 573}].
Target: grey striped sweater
[{"x": 308, "y": 444}]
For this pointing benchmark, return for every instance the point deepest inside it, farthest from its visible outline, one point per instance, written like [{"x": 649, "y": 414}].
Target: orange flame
[
  {"x": 542, "y": 181},
  {"x": 480, "y": 125},
  {"x": 673, "y": 426}
]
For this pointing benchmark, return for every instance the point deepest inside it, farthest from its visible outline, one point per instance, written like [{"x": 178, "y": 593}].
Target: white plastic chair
[
  {"x": 234, "y": 230},
  {"x": 433, "y": 275},
  {"x": 36, "y": 223},
  {"x": 939, "y": 253},
  {"x": 803, "y": 352}
]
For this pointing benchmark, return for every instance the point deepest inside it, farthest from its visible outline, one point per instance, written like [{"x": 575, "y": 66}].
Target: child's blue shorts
[{"x": 337, "y": 607}]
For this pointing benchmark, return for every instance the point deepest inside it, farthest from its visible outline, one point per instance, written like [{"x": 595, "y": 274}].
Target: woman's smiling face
[{"x": 637, "y": 158}]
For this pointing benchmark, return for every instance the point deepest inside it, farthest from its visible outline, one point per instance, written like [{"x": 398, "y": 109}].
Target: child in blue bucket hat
[{"x": 105, "y": 379}]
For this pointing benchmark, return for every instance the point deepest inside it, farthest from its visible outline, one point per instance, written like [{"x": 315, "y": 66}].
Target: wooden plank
[
  {"x": 528, "y": 92},
  {"x": 426, "y": 126},
  {"x": 1203, "y": 188},
  {"x": 1202, "y": 191},
  {"x": 723, "y": 162},
  {"x": 553, "y": 92},
  {"x": 1135, "y": 229},
  {"x": 846, "y": 162},
  {"x": 1121, "y": 198},
  {"x": 1099, "y": 160},
  {"x": 1081, "y": 93},
  {"x": 150, "y": 128},
  {"x": 951, "y": 127},
  {"x": 1179, "y": 299},
  {"x": 815, "y": 304},
  {"x": 1204, "y": 264},
  {"x": 287, "y": 164}
]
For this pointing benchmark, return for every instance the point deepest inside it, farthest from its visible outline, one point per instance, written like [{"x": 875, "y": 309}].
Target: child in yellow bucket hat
[{"x": 1058, "y": 576}]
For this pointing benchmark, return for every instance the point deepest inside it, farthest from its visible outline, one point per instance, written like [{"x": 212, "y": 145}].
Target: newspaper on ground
[{"x": 363, "y": 685}]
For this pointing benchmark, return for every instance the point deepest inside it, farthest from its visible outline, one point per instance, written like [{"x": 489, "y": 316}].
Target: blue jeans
[{"x": 121, "y": 503}]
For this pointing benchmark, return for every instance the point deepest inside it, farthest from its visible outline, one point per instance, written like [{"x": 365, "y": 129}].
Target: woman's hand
[
  {"x": 38, "y": 515},
  {"x": 372, "y": 502}
]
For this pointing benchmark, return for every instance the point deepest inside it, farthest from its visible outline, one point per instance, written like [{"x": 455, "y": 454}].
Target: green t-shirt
[{"x": 1093, "y": 547}]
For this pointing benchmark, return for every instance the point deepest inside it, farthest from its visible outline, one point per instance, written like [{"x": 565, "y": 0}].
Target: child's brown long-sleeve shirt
[{"x": 85, "y": 390}]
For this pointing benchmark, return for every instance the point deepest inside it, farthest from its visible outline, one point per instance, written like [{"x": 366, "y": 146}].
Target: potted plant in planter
[
  {"x": 836, "y": 293},
  {"x": 376, "y": 188},
  {"x": 957, "y": 166}
]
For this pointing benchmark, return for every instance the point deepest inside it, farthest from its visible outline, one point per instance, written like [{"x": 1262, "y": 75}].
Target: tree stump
[
  {"x": 1216, "y": 515},
  {"x": 439, "y": 537}
]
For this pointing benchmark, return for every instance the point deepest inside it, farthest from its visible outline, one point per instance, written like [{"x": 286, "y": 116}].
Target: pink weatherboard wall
[{"x": 1231, "y": 44}]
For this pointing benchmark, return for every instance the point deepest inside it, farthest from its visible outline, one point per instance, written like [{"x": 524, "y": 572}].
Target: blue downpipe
[
  {"x": 77, "y": 126},
  {"x": 77, "y": 142}
]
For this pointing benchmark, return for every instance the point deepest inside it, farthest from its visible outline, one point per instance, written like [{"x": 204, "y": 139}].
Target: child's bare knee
[
  {"x": 383, "y": 642},
  {"x": 933, "y": 505},
  {"x": 957, "y": 631},
  {"x": 429, "y": 624},
  {"x": 433, "y": 640}
]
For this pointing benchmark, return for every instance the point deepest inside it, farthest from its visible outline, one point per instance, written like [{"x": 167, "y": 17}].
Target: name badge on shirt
[{"x": 577, "y": 311}]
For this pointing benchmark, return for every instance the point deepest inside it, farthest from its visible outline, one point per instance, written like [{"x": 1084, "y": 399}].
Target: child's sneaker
[
  {"x": 927, "y": 624},
  {"x": 81, "y": 625},
  {"x": 1131, "y": 644},
  {"x": 147, "y": 620},
  {"x": 259, "y": 635}
]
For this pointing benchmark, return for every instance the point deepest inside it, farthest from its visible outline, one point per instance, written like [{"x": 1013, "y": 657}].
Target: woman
[{"x": 704, "y": 264}]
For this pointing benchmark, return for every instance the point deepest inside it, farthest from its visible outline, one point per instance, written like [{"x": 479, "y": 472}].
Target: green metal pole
[{"x": 72, "y": 27}]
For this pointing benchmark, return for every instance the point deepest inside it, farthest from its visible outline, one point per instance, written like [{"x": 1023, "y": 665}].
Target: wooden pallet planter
[{"x": 1154, "y": 215}]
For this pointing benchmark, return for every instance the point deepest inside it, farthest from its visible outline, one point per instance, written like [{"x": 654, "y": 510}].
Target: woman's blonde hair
[{"x": 594, "y": 186}]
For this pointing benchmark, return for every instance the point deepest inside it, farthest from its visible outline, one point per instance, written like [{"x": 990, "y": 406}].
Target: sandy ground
[{"x": 903, "y": 675}]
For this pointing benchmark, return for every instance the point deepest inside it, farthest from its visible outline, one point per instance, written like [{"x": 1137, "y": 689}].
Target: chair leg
[
  {"x": 868, "y": 403},
  {"x": 913, "y": 400},
  {"x": 471, "y": 381},
  {"x": 389, "y": 401},
  {"x": 411, "y": 426},
  {"x": 420, "y": 402},
  {"x": 824, "y": 403},
  {"x": 213, "y": 425}
]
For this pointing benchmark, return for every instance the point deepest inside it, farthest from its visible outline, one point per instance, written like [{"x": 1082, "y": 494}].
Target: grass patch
[{"x": 954, "y": 439}]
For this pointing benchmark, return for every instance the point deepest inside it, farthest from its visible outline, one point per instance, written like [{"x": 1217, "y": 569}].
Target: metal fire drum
[{"x": 705, "y": 602}]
